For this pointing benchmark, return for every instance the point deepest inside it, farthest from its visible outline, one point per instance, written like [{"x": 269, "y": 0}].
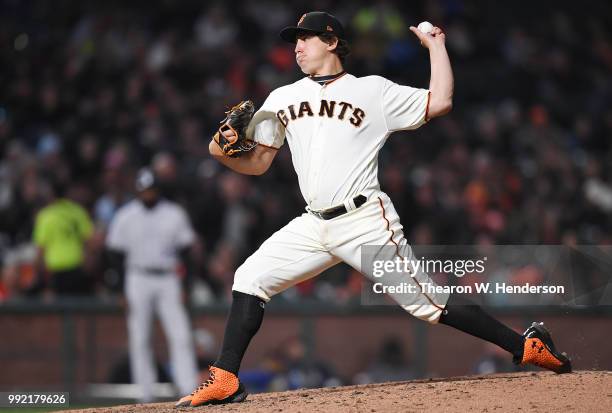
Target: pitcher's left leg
[{"x": 292, "y": 254}]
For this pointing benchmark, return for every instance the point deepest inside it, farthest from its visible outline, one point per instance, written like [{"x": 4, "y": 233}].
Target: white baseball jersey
[
  {"x": 150, "y": 237},
  {"x": 335, "y": 131}
]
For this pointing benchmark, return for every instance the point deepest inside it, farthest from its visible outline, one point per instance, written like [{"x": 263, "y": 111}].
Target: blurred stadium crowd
[{"x": 93, "y": 92}]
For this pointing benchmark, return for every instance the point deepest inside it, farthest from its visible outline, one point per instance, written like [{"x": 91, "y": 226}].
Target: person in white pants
[
  {"x": 335, "y": 125},
  {"x": 147, "y": 237}
]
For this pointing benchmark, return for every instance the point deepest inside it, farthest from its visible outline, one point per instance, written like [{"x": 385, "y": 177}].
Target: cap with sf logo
[{"x": 315, "y": 22}]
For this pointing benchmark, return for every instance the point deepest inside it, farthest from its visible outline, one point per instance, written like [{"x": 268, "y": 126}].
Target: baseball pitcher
[{"x": 335, "y": 125}]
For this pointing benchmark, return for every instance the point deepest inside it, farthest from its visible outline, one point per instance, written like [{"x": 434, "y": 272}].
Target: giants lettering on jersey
[{"x": 331, "y": 109}]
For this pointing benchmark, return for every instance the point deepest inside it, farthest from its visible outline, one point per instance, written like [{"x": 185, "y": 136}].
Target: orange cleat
[
  {"x": 540, "y": 350},
  {"x": 220, "y": 388}
]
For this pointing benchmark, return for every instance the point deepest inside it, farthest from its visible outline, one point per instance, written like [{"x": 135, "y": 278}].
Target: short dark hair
[
  {"x": 342, "y": 49},
  {"x": 58, "y": 187}
]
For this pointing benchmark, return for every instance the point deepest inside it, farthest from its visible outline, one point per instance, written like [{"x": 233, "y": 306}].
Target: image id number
[{"x": 16, "y": 399}]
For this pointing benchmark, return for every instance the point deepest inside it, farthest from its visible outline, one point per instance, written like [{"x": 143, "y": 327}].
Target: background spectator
[{"x": 61, "y": 231}]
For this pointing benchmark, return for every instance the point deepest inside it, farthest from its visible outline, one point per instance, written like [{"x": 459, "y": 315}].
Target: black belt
[
  {"x": 334, "y": 212},
  {"x": 154, "y": 270}
]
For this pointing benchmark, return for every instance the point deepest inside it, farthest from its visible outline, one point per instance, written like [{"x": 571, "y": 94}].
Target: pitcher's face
[{"x": 311, "y": 52}]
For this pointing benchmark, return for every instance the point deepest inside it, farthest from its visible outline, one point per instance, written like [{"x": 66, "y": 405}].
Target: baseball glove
[{"x": 237, "y": 119}]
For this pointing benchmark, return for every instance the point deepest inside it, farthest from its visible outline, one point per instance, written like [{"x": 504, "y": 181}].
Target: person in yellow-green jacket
[{"x": 61, "y": 231}]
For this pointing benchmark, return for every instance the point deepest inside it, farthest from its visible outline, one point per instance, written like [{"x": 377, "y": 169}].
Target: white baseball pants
[
  {"x": 307, "y": 245},
  {"x": 161, "y": 294}
]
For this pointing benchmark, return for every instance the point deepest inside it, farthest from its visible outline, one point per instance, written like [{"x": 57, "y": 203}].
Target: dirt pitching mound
[{"x": 583, "y": 391}]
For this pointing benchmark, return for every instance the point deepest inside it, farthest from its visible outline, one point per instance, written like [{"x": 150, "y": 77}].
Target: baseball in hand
[{"x": 425, "y": 27}]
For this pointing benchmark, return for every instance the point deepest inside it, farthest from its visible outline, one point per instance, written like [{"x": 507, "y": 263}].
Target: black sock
[
  {"x": 469, "y": 317},
  {"x": 243, "y": 323}
]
